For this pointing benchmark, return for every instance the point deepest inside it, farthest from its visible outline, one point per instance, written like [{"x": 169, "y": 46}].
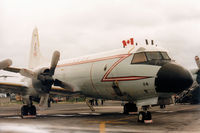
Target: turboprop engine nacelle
[{"x": 43, "y": 81}]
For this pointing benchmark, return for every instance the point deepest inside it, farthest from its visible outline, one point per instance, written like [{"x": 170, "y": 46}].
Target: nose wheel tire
[{"x": 142, "y": 116}]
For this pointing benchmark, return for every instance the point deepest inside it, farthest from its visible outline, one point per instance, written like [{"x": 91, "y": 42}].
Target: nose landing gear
[{"x": 145, "y": 116}]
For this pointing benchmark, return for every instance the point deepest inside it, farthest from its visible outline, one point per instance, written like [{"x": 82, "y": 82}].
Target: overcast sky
[{"x": 81, "y": 27}]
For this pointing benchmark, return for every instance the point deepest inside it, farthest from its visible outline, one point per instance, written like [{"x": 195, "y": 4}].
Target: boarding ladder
[
  {"x": 186, "y": 93},
  {"x": 89, "y": 105}
]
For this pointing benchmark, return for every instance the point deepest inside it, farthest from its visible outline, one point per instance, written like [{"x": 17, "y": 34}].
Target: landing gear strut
[
  {"x": 145, "y": 116},
  {"x": 28, "y": 110},
  {"x": 130, "y": 107}
]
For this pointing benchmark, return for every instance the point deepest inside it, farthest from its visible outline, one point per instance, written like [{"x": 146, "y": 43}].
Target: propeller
[
  {"x": 54, "y": 62},
  {"x": 48, "y": 72},
  {"x": 44, "y": 99},
  {"x": 5, "y": 63},
  {"x": 46, "y": 78},
  {"x": 28, "y": 73}
]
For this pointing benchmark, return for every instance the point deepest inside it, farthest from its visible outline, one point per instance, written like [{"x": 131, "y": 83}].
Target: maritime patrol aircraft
[{"x": 142, "y": 75}]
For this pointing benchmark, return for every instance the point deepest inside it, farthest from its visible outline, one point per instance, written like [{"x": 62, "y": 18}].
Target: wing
[
  {"x": 18, "y": 88},
  {"x": 61, "y": 88},
  {"x": 63, "y": 91},
  {"x": 12, "y": 69}
]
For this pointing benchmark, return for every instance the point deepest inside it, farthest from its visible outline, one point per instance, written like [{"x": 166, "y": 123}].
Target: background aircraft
[{"x": 142, "y": 75}]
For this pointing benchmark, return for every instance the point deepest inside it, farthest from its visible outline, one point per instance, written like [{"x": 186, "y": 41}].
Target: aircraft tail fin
[{"x": 35, "y": 57}]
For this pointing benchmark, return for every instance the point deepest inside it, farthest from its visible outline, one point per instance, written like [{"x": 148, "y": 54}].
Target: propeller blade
[
  {"x": 63, "y": 85},
  {"x": 28, "y": 73},
  {"x": 197, "y": 61},
  {"x": 54, "y": 62},
  {"x": 5, "y": 63},
  {"x": 44, "y": 99},
  {"x": 198, "y": 77}
]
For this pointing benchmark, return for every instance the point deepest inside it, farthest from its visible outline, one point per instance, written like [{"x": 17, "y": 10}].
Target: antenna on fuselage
[
  {"x": 152, "y": 43},
  {"x": 146, "y": 41}
]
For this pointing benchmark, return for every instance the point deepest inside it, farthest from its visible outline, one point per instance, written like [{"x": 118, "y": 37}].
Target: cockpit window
[
  {"x": 149, "y": 56},
  {"x": 153, "y": 56},
  {"x": 139, "y": 57},
  {"x": 165, "y": 55}
]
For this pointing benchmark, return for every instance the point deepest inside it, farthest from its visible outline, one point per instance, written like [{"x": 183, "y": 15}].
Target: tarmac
[{"x": 78, "y": 118}]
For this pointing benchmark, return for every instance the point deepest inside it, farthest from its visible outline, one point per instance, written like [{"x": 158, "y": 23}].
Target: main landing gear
[
  {"x": 130, "y": 107},
  {"x": 143, "y": 116},
  {"x": 29, "y": 110}
]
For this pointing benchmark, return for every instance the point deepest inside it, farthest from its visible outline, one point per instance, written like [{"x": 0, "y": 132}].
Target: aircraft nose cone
[{"x": 173, "y": 78}]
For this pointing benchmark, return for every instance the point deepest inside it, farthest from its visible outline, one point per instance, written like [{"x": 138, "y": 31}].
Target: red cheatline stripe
[
  {"x": 92, "y": 60},
  {"x": 113, "y": 66},
  {"x": 123, "y": 78},
  {"x": 127, "y": 78}
]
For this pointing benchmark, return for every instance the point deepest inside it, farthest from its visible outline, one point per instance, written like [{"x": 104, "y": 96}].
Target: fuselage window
[{"x": 139, "y": 57}]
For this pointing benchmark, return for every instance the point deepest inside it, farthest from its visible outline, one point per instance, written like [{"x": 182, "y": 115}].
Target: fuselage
[{"x": 122, "y": 74}]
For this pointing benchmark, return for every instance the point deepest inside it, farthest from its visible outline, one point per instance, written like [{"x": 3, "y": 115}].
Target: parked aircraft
[
  {"x": 142, "y": 75},
  {"x": 191, "y": 95}
]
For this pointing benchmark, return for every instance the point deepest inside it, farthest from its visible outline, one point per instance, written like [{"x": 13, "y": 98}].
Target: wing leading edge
[{"x": 6, "y": 87}]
